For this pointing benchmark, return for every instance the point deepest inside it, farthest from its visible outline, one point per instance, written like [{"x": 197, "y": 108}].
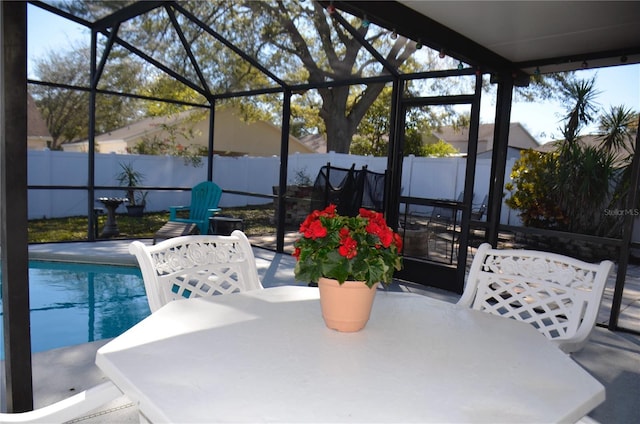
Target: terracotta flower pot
[{"x": 345, "y": 307}]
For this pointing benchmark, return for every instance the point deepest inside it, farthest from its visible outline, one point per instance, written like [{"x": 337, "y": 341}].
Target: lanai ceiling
[{"x": 552, "y": 35}]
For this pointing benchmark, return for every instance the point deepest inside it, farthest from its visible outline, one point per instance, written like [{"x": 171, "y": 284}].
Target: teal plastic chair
[{"x": 204, "y": 204}]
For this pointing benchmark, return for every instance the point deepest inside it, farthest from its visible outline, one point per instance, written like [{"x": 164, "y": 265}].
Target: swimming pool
[{"x": 73, "y": 303}]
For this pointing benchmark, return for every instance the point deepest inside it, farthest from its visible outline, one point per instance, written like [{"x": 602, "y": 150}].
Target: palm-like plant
[
  {"x": 618, "y": 128},
  {"x": 582, "y": 96},
  {"x": 131, "y": 179},
  {"x": 576, "y": 183},
  {"x": 583, "y": 173}
]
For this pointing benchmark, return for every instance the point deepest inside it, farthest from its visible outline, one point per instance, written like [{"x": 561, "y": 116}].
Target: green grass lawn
[{"x": 257, "y": 221}]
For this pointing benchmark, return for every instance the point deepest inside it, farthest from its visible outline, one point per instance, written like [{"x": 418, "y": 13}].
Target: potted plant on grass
[
  {"x": 130, "y": 178},
  {"x": 348, "y": 257}
]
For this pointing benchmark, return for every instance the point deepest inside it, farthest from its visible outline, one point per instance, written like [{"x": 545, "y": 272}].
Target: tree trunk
[
  {"x": 337, "y": 123},
  {"x": 340, "y": 125},
  {"x": 339, "y": 133}
]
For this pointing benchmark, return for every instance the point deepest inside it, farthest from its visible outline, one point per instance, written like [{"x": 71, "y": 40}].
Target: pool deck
[{"x": 611, "y": 357}]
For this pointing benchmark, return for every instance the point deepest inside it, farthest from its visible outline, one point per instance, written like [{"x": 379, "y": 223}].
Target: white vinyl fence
[{"x": 438, "y": 178}]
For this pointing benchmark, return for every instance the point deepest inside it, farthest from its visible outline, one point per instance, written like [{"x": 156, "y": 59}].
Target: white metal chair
[
  {"x": 67, "y": 409},
  {"x": 558, "y": 295},
  {"x": 196, "y": 266}
]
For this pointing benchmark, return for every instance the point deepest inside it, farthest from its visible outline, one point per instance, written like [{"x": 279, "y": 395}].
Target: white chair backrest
[
  {"x": 67, "y": 409},
  {"x": 558, "y": 295},
  {"x": 196, "y": 266}
]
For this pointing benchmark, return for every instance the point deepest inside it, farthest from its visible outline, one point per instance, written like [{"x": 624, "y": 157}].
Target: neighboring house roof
[
  {"x": 587, "y": 140},
  {"x": 519, "y": 137},
  {"x": 37, "y": 131},
  {"x": 232, "y": 136},
  {"x": 593, "y": 140},
  {"x": 138, "y": 129},
  {"x": 317, "y": 142}
]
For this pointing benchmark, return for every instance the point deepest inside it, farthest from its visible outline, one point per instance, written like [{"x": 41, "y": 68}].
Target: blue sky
[{"x": 619, "y": 85}]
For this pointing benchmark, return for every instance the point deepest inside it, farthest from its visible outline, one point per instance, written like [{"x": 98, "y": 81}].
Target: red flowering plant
[{"x": 360, "y": 248}]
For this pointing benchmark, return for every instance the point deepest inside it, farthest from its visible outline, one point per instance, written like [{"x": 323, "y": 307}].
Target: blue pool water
[{"x": 74, "y": 303}]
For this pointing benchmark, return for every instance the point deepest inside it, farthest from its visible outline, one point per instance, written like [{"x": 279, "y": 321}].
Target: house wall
[
  {"x": 255, "y": 138},
  {"x": 37, "y": 131},
  {"x": 512, "y": 154},
  {"x": 519, "y": 137},
  {"x": 112, "y": 146},
  {"x": 36, "y": 143},
  {"x": 231, "y": 136}
]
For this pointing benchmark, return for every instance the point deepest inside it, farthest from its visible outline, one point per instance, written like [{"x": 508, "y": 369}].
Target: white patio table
[{"x": 266, "y": 356}]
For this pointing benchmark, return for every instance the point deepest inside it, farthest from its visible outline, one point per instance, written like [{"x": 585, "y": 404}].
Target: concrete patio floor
[{"x": 611, "y": 357}]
